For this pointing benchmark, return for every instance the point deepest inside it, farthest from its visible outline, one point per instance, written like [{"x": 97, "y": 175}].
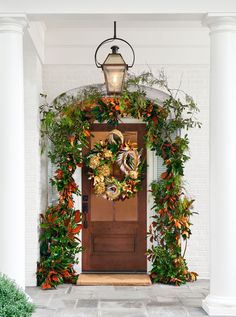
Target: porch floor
[{"x": 126, "y": 301}]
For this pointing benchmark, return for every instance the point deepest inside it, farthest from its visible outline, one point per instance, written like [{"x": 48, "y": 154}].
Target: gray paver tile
[
  {"x": 44, "y": 313},
  {"x": 121, "y": 295},
  {"x": 190, "y": 294},
  {"x": 114, "y": 313},
  {"x": 42, "y": 299},
  {"x": 78, "y": 296},
  {"x": 174, "y": 311},
  {"x": 122, "y": 308},
  {"x": 191, "y": 302},
  {"x": 124, "y": 301},
  {"x": 196, "y": 312},
  {"x": 58, "y": 302},
  {"x": 77, "y": 312},
  {"x": 88, "y": 303},
  {"x": 120, "y": 305},
  {"x": 168, "y": 300}
]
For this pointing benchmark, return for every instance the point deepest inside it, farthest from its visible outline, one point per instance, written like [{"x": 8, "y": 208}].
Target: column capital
[
  {"x": 13, "y": 23},
  {"x": 220, "y": 22}
]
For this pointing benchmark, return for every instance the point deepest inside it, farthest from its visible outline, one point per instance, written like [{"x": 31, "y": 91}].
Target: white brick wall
[
  {"x": 194, "y": 80},
  {"x": 32, "y": 85},
  {"x": 172, "y": 47}
]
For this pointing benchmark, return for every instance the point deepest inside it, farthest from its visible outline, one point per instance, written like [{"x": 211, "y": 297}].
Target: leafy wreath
[
  {"x": 67, "y": 124},
  {"x": 101, "y": 160}
]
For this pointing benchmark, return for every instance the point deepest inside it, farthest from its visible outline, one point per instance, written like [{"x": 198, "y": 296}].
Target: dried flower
[
  {"x": 128, "y": 188},
  {"x": 99, "y": 188},
  {"x": 107, "y": 153},
  {"x": 113, "y": 192},
  {"x": 104, "y": 170},
  {"x": 98, "y": 179},
  {"x": 133, "y": 174},
  {"x": 94, "y": 162},
  {"x": 102, "y": 143}
]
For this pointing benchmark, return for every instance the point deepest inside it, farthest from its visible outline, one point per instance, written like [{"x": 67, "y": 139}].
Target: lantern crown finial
[{"x": 114, "y": 49}]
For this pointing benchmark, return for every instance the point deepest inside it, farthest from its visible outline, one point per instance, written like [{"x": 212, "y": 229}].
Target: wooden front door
[{"x": 115, "y": 237}]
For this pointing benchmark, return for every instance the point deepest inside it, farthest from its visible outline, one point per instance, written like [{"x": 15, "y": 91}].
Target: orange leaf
[
  {"x": 70, "y": 203},
  {"x": 66, "y": 222},
  {"x": 46, "y": 285},
  {"x": 55, "y": 278},
  {"x": 77, "y": 229},
  {"x": 66, "y": 273},
  {"x": 52, "y": 272},
  {"x": 71, "y": 236},
  {"x": 154, "y": 119},
  {"x": 51, "y": 218},
  {"x": 59, "y": 174},
  {"x": 77, "y": 216},
  {"x": 164, "y": 175},
  {"x": 72, "y": 139},
  {"x": 87, "y": 133}
]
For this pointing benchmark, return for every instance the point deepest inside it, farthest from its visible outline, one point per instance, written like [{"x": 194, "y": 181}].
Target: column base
[{"x": 219, "y": 306}]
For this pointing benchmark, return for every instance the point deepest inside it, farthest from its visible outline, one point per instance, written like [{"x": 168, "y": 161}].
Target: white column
[
  {"x": 222, "y": 298},
  {"x": 12, "y": 186}
]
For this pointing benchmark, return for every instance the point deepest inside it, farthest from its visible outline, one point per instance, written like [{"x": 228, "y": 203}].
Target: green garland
[{"x": 66, "y": 123}]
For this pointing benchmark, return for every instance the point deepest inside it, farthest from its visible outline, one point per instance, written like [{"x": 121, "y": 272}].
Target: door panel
[
  {"x": 115, "y": 239},
  {"x": 114, "y": 243}
]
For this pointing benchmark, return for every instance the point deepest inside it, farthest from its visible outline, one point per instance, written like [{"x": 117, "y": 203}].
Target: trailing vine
[{"x": 66, "y": 123}]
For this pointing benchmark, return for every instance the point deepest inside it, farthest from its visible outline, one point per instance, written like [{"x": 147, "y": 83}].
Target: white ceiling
[
  {"x": 123, "y": 20},
  {"x": 121, "y": 6},
  {"x": 70, "y": 38}
]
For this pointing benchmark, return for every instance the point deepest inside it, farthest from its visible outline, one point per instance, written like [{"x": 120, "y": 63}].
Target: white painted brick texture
[
  {"x": 194, "y": 80},
  {"x": 32, "y": 86}
]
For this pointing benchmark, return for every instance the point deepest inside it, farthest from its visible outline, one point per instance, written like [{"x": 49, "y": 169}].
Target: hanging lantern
[
  {"x": 114, "y": 69},
  {"x": 114, "y": 66}
]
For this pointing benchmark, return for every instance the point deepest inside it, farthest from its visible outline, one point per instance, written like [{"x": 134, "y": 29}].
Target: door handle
[
  {"x": 85, "y": 208},
  {"x": 85, "y": 198},
  {"x": 85, "y": 212}
]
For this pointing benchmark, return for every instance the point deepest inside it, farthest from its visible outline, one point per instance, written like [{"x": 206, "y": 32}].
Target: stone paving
[{"x": 123, "y": 301}]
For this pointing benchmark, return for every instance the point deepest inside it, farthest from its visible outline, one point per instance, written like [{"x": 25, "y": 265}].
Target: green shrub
[{"x": 13, "y": 301}]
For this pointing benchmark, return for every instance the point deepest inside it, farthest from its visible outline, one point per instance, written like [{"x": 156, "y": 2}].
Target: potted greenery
[{"x": 13, "y": 301}]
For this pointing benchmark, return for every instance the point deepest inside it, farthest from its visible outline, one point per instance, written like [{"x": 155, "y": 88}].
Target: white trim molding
[
  {"x": 220, "y": 22},
  {"x": 13, "y": 23},
  {"x": 37, "y": 31},
  {"x": 219, "y": 306}
]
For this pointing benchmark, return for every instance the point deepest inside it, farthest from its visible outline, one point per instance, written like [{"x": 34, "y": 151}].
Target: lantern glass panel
[
  {"x": 114, "y": 69},
  {"x": 114, "y": 78}
]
